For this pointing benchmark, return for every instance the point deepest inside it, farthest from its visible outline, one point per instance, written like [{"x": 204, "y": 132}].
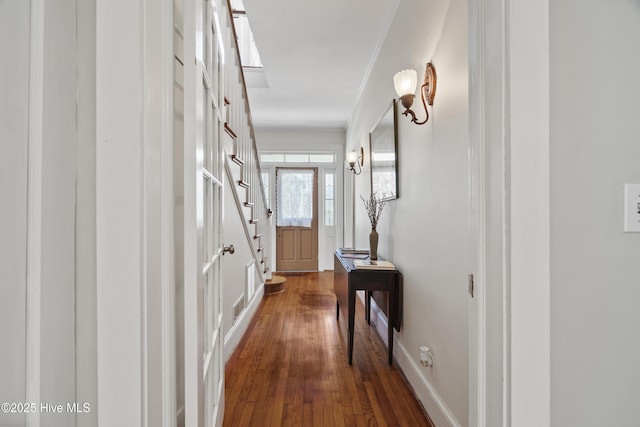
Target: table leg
[
  {"x": 367, "y": 307},
  {"x": 337, "y": 310},
  {"x": 391, "y": 320},
  {"x": 352, "y": 312}
]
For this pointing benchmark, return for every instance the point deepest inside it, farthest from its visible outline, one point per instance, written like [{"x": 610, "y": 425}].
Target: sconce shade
[
  {"x": 405, "y": 82},
  {"x": 352, "y": 157}
]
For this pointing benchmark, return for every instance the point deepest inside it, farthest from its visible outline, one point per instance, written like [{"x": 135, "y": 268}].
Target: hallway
[
  {"x": 291, "y": 368},
  {"x": 134, "y": 155}
]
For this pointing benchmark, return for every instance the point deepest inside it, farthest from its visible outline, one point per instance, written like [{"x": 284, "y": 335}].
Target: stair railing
[{"x": 247, "y": 174}]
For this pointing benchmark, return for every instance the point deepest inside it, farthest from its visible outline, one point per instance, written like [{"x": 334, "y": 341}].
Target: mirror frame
[{"x": 383, "y": 142}]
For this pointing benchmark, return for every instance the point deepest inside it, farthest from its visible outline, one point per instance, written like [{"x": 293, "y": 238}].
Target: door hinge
[{"x": 471, "y": 285}]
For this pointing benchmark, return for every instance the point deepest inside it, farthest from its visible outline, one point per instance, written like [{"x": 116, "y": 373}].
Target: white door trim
[
  {"x": 509, "y": 104},
  {"x": 158, "y": 219},
  {"x": 489, "y": 362},
  {"x": 528, "y": 204}
]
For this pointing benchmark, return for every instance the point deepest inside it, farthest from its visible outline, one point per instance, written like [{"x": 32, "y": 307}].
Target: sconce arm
[
  {"x": 353, "y": 169},
  {"x": 409, "y": 112}
]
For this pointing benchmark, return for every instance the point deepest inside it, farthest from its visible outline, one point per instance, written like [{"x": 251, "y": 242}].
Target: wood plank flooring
[{"x": 291, "y": 369}]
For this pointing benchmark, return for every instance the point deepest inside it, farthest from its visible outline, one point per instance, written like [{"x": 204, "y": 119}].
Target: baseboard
[
  {"x": 424, "y": 390},
  {"x": 232, "y": 339}
]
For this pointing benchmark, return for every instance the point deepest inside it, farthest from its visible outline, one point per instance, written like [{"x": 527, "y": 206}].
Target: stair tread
[
  {"x": 237, "y": 160},
  {"x": 230, "y": 131}
]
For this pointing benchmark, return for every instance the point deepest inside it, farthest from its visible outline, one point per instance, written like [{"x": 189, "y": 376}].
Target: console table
[{"x": 347, "y": 280}]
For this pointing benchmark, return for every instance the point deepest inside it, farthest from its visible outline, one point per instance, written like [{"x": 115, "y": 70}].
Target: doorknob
[{"x": 229, "y": 249}]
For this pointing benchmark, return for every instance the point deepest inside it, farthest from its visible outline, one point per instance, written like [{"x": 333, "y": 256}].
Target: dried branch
[{"x": 374, "y": 206}]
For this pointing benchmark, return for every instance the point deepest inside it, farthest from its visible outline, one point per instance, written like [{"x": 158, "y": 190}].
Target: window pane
[
  {"x": 329, "y": 212},
  {"x": 384, "y": 157},
  {"x": 321, "y": 158},
  {"x": 385, "y": 178},
  {"x": 272, "y": 158},
  {"x": 294, "y": 198},
  {"x": 328, "y": 186},
  {"x": 296, "y": 158},
  {"x": 329, "y": 207}
]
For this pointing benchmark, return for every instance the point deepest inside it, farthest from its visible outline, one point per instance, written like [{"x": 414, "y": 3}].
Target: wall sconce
[
  {"x": 405, "y": 83},
  {"x": 353, "y": 158}
]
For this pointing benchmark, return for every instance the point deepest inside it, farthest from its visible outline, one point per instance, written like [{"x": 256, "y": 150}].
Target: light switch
[{"x": 632, "y": 208}]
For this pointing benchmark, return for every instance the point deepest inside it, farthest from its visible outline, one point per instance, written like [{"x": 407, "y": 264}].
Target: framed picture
[{"x": 383, "y": 143}]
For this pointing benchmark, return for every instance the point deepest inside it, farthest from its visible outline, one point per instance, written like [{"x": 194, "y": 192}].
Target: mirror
[{"x": 383, "y": 141}]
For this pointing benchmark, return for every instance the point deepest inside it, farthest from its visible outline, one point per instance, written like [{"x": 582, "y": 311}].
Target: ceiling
[{"x": 316, "y": 55}]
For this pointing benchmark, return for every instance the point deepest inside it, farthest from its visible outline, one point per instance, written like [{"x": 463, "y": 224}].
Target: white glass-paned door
[
  {"x": 204, "y": 375},
  {"x": 211, "y": 263}
]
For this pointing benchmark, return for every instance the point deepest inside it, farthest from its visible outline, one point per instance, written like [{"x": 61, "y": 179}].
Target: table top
[{"x": 347, "y": 262}]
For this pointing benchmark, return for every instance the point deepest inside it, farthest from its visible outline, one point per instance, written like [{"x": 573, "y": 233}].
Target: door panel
[
  {"x": 288, "y": 248},
  {"x": 306, "y": 245}
]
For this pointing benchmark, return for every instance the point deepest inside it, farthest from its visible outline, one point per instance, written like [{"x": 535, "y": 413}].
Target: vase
[{"x": 373, "y": 244}]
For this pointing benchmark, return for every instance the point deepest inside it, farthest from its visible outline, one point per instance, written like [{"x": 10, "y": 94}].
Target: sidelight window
[{"x": 329, "y": 199}]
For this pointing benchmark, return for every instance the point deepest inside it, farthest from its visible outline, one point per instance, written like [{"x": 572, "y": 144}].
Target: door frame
[
  {"x": 489, "y": 357},
  {"x": 509, "y": 162},
  {"x": 325, "y": 255},
  {"x": 158, "y": 346}
]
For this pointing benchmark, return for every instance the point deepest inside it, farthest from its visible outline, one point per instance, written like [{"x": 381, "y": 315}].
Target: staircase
[{"x": 241, "y": 161}]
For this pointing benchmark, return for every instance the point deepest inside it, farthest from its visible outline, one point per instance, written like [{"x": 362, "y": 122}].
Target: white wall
[
  {"x": 14, "y": 114},
  {"x": 58, "y": 204},
  {"x": 595, "y": 375},
  {"x": 307, "y": 141},
  {"x": 86, "y": 342},
  {"x": 425, "y": 232},
  {"x": 119, "y": 214},
  {"x": 40, "y": 147},
  {"x": 299, "y": 139}
]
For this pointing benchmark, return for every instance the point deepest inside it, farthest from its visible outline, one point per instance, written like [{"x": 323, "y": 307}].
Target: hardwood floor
[{"x": 291, "y": 369}]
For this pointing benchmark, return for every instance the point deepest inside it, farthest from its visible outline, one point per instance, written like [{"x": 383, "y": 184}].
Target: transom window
[{"x": 297, "y": 158}]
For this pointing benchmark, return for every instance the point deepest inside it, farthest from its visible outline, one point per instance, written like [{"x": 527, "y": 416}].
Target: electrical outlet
[{"x": 427, "y": 359}]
